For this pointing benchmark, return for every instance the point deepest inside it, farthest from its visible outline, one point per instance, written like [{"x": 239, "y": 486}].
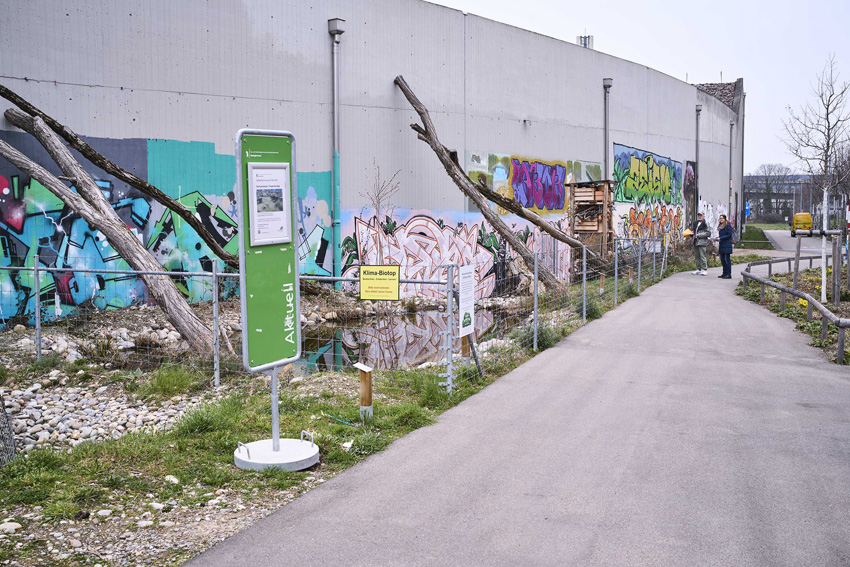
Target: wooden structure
[{"x": 592, "y": 211}]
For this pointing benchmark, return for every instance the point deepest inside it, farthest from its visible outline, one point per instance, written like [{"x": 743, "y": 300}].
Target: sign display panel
[
  {"x": 268, "y": 274},
  {"x": 466, "y": 300},
  {"x": 379, "y": 282},
  {"x": 270, "y": 199}
]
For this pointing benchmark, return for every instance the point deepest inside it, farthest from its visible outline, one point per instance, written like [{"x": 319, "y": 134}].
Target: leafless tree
[
  {"x": 816, "y": 135},
  {"x": 770, "y": 178},
  {"x": 819, "y": 132}
]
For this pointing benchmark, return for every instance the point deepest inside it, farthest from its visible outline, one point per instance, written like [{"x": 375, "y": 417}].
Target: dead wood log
[
  {"x": 96, "y": 158},
  {"x": 428, "y": 134},
  {"x": 88, "y": 201}
]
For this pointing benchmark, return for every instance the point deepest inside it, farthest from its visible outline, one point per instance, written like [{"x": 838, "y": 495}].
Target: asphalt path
[
  {"x": 687, "y": 427},
  {"x": 809, "y": 245}
]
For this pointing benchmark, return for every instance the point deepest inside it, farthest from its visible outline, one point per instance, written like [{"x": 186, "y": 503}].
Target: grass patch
[
  {"x": 770, "y": 226},
  {"x": 754, "y": 233},
  {"x": 170, "y": 381}
]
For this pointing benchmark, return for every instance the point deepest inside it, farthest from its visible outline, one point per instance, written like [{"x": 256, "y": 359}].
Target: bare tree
[
  {"x": 88, "y": 200},
  {"x": 818, "y": 133},
  {"x": 815, "y": 136},
  {"x": 770, "y": 179},
  {"x": 380, "y": 196}
]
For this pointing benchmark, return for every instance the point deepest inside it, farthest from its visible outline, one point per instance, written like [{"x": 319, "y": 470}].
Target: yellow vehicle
[{"x": 802, "y": 221}]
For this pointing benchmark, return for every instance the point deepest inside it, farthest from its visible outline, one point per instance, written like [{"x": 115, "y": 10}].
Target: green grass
[
  {"x": 770, "y": 226},
  {"x": 169, "y": 381},
  {"x": 754, "y": 233}
]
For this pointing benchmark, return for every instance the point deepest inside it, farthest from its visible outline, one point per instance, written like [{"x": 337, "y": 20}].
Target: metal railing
[{"x": 827, "y": 316}]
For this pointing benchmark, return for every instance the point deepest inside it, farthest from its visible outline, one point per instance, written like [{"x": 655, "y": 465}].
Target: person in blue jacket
[{"x": 724, "y": 246}]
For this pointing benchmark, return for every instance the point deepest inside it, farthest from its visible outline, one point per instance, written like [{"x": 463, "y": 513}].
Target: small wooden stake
[
  {"x": 365, "y": 390},
  {"x": 465, "y": 350}
]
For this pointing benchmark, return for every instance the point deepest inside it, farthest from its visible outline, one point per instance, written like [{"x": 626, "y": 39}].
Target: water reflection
[{"x": 391, "y": 342}]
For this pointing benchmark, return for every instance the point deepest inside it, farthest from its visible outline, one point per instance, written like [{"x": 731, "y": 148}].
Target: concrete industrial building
[{"x": 162, "y": 87}]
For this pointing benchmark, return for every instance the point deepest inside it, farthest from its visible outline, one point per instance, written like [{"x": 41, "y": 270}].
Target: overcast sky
[{"x": 777, "y": 46}]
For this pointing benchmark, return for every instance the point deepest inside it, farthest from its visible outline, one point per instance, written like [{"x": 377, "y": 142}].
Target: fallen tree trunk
[
  {"x": 427, "y": 133},
  {"x": 88, "y": 201},
  {"x": 77, "y": 143}
]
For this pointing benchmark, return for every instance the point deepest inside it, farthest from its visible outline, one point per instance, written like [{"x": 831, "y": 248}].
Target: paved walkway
[{"x": 687, "y": 427}]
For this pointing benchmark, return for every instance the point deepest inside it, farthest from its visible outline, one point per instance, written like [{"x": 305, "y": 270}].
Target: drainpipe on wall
[
  {"x": 696, "y": 170},
  {"x": 606, "y": 84},
  {"x": 336, "y": 31},
  {"x": 731, "y": 126}
]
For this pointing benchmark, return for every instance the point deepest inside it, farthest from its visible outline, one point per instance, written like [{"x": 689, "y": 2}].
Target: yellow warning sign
[{"x": 379, "y": 282}]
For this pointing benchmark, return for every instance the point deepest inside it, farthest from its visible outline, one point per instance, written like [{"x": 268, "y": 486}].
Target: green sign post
[
  {"x": 268, "y": 278},
  {"x": 271, "y": 317}
]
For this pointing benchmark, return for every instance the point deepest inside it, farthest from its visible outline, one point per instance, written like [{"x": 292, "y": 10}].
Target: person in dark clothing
[
  {"x": 702, "y": 238},
  {"x": 724, "y": 246}
]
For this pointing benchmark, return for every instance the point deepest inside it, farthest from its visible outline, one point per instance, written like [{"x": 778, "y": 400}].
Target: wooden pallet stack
[{"x": 592, "y": 206}]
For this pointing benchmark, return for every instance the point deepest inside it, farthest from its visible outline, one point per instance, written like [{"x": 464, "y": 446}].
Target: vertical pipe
[
  {"x": 450, "y": 284},
  {"x": 37, "y": 286},
  {"x": 336, "y": 32},
  {"x": 616, "y": 269},
  {"x": 606, "y": 85},
  {"x": 823, "y": 257},
  {"x": 731, "y": 211},
  {"x": 584, "y": 284},
  {"x": 216, "y": 331},
  {"x": 275, "y": 411},
  {"x": 696, "y": 169},
  {"x": 536, "y": 254}
]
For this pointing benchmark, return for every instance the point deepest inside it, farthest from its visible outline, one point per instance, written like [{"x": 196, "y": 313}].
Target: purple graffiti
[{"x": 538, "y": 184}]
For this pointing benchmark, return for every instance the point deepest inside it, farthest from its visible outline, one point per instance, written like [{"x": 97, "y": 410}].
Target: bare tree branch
[
  {"x": 88, "y": 201},
  {"x": 96, "y": 158}
]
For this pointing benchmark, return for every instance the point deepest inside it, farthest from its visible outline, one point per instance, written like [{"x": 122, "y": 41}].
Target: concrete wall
[{"x": 196, "y": 71}]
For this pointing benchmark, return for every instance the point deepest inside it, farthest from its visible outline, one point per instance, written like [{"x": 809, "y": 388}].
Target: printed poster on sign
[
  {"x": 270, "y": 201},
  {"x": 466, "y": 299}
]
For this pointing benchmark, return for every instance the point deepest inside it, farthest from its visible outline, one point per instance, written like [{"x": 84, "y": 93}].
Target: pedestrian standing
[
  {"x": 724, "y": 246},
  {"x": 702, "y": 238}
]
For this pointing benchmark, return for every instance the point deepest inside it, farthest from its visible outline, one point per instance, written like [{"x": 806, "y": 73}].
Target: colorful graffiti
[
  {"x": 34, "y": 222},
  {"x": 648, "y": 200},
  {"x": 423, "y": 246},
  {"x": 534, "y": 184}
]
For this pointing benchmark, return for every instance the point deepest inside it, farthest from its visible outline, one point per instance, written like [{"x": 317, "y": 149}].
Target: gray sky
[{"x": 777, "y": 46}]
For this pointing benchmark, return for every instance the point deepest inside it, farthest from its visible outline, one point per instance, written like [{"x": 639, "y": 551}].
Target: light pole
[{"x": 606, "y": 85}]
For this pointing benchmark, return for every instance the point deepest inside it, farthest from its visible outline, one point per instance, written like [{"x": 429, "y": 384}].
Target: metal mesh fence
[{"x": 415, "y": 338}]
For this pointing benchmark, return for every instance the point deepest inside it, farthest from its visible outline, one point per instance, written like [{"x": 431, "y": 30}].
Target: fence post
[
  {"x": 536, "y": 259},
  {"x": 616, "y": 269},
  {"x": 809, "y": 311},
  {"x": 761, "y": 298},
  {"x": 654, "y": 250},
  {"x": 823, "y": 327},
  {"x": 37, "y": 285},
  {"x": 450, "y": 284},
  {"x": 781, "y": 301},
  {"x": 216, "y": 330},
  {"x": 664, "y": 256},
  {"x": 839, "y": 356},
  {"x": 584, "y": 284},
  {"x": 640, "y": 258}
]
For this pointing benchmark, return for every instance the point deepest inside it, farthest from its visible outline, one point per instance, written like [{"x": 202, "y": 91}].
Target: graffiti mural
[
  {"x": 648, "y": 200},
  {"x": 712, "y": 213},
  {"x": 423, "y": 243},
  {"x": 534, "y": 184},
  {"x": 34, "y": 222}
]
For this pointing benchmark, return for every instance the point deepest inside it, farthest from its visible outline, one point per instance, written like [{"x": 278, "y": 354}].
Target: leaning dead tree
[
  {"x": 90, "y": 203},
  {"x": 480, "y": 193},
  {"x": 96, "y": 158}
]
